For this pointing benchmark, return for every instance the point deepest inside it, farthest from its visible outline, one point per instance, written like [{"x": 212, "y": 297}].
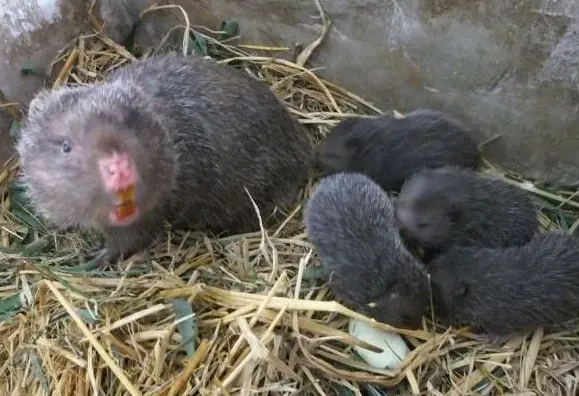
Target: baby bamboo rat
[
  {"x": 438, "y": 208},
  {"x": 390, "y": 150},
  {"x": 349, "y": 220},
  {"x": 503, "y": 291},
  {"x": 169, "y": 138}
]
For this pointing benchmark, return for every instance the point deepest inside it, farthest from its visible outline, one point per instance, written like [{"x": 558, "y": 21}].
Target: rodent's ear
[{"x": 39, "y": 102}]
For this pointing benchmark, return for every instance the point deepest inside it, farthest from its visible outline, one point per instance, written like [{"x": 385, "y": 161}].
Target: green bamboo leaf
[
  {"x": 35, "y": 247},
  {"x": 188, "y": 327},
  {"x": 29, "y": 69},
  {"x": 15, "y": 129},
  {"x": 10, "y": 306},
  {"x": 21, "y": 208},
  {"x": 38, "y": 371},
  {"x": 230, "y": 28},
  {"x": 129, "y": 41},
  {"x": 87, "y": 316},
  {"x": 197, "y": 45},
  {"x": 314, "y": 273}
]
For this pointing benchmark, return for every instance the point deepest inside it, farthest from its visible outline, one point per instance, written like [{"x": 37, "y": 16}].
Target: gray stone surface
[
  {"x": 31, "y": 33},
  {"x": 510, "y": 67}
]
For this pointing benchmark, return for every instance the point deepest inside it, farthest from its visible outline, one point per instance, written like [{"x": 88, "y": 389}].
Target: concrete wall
[{"x": 509, "y": 67}]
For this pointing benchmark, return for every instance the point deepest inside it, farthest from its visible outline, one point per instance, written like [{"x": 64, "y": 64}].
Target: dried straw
[{"x": 261, "y": 321}]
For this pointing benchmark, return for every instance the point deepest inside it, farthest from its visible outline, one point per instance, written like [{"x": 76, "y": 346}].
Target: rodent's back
[
  {"x": 391, "y": 150},
  {"x": 350, "y": 209},
  {"x": 502, "y": 290},
  {"x": 474, "y": 208},
  {"x": 349, "y": 219},
  {"x": 432, "y": 139},
  {"x": 228, "y": 127},
  {"x": 226, "y": 102}
]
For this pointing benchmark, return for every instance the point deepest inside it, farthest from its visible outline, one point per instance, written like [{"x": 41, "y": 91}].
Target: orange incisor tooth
[{"x": 127, "y": 206}]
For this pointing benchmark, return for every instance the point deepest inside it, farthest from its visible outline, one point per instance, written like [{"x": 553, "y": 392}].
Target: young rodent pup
[
  {"x": 170, "y": 138},
  {"x": 438, "y": 208},
  {"x": 349, "y": 220},
  {"x": 500, "y": 291},
  {"x": 390, "y": 150}
]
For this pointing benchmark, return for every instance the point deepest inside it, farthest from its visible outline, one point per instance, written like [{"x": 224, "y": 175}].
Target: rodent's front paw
[{"x": 103, "y": 258}]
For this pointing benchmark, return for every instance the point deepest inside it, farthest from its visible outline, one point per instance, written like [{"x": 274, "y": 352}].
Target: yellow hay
[{"x": 265, "y": 325}]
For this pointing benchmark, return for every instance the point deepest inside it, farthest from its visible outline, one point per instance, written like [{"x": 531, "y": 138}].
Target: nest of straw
[{"x": 246, "y": 314}]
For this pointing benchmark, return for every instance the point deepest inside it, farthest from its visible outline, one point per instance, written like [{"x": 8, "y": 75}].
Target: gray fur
[
  {"x": 390, "y": 150},
  {"x": 438, "y": 208},
  {"x": 349, "y": 220},
  {"x": 508, "y": 290},
  {"x": 199, "y": 133}
]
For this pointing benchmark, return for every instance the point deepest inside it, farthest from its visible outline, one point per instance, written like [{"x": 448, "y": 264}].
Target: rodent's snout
[
  {"x": 119, "y": 177},
  {"x": 117, "y": 171}
]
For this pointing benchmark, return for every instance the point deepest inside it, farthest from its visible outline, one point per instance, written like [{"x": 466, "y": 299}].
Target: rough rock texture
[
  {"x": 510, "y": 67},
  {"x": 31, "y": 33}
]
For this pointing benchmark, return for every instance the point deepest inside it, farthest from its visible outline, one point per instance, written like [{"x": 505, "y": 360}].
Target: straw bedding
[{"x": 247, "y": 314}]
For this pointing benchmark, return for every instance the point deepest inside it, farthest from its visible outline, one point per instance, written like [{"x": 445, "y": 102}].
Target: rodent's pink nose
[{"x": 117, "y": 171}]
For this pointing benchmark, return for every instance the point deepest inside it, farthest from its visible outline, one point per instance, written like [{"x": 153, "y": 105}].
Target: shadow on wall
[{"x": 511, "y": 68}]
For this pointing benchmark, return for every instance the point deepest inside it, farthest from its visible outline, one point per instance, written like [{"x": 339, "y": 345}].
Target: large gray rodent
[
  {"x": 349, "y": 219},
  {"x": 502, "y": 291},
  {"x": 169, "y": 138},
  {"x": 390, "y": 150},
  {"x": 439, "y": 208}
]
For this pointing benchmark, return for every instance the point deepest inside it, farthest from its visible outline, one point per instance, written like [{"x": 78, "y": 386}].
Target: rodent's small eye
[
  {"x": 422, "y": 225},
  {"x": 66, "y": 148}
]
